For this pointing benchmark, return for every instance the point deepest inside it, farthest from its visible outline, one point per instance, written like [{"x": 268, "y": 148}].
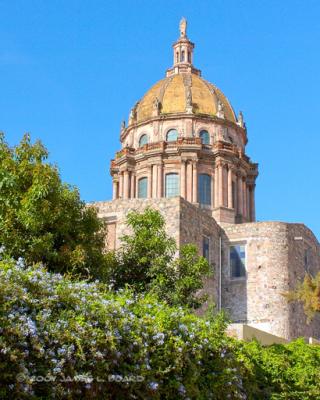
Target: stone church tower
[{"x": 183, "y": 153}]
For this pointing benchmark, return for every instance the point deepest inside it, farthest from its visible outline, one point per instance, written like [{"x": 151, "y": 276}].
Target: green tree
[
  {"x": 147, "y": 262},
  {"x": 43, "y": 219}
]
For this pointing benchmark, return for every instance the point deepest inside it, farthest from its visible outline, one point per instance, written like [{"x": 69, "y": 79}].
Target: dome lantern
[{"x": 183, "y": 53}]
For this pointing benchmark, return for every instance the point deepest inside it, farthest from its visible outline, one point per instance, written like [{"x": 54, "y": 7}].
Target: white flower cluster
[{"x": 56, "y": 327}]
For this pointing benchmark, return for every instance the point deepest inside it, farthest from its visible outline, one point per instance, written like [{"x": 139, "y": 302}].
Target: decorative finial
[
  {"x": 183, "y": 27},
  {"x": 220, "y": 112},
  {"x": 156, "y": 107},
  {"x": 123, "y": 125},
  {"x": 133, "y": 113},
  {"x": 188, "y": 100},
  {"x": 241, "y": 120}
]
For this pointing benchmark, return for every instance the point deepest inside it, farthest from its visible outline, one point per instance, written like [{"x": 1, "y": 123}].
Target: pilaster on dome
[{"x": 183, "y": 53}]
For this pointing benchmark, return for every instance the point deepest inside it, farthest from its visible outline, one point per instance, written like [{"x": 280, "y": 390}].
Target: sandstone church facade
[{"x": 184, "y": 153}]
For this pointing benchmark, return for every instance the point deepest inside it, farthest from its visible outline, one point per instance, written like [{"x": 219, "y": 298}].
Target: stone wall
[
  {"x": 275, "y": 261},
  {"x": 115, "y": 213},
  {"x": 274, "y": 264},
  {"x": 195, "y": 224},
  {"x": 300, "y": 241},
  {"x": 185, "y": 222}
]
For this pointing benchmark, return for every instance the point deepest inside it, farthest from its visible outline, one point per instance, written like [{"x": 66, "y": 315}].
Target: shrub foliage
[
  {"x": 126, "y": 346},
  {"x": 74, "y": 339}
]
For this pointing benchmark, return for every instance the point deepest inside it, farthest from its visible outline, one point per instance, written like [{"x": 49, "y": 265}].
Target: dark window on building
[
  {"x": 238, "y": 261},
  {"x": 182, "y": 56},
  {"x": 177, "y": 57},
  {"x": 206, "y": 248},
  {"x": 143, "y": 140},
  {"x": 205, "y": 138},
  {"x": 172, "y": 185},
  {"x": 172, "y": 135},
  {"x": 143, "y": 188},
  {"x": 189, "y": 57},
  {"x": 204, "y": 189}
]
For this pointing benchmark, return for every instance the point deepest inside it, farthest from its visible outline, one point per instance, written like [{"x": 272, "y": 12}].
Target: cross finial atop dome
[{"x": 183, "y": 27}]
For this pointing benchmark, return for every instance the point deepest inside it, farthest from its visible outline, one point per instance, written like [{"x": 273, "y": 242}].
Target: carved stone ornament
[
  {"x": 183, "y": 27},
  {"x": 220, "y": 112},
  {"x": 156, "y": 103},
  {"x": 241, "y": 120},
  {"x": 156, "y": 106},
  {"x": 133, "y": 113},
  {"x": 188, "y": 100}
]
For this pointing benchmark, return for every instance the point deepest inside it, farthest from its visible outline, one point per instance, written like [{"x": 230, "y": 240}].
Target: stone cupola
[
  {"x": 183, "y": 53},
  {"x": 183, "y": 139}
]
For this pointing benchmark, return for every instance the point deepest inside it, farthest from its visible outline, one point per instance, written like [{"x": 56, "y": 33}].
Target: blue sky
[{"x": 71, "y": 70}]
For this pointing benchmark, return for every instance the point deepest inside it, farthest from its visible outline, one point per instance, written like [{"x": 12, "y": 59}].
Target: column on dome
[
  {"x": 194, "y": 182},
  {"x": 133, "y": 183},
  {"x": 114, "y": 190},
  {"x": 248, "y": 204},
  {"x": 213, "y": 189},
  {"x": 240, "y": 191},
  {"x": 160, "y": 181},
  {"x": 149, "y": 193},
  {"x": 216, "y": 187},
  {"x": 244, "y": 199},
  {"x": 154, "y": 181},
  {"x": 221, "y": 184},
  {"x": 120, "y": 185},
  {"x": 126, "y": 184},
  {"x": 252, "y": 203},
  {"x": 189, "y": 181},
  {"x": 230, "y": 202},
  {"x": 183, "y": 179}
]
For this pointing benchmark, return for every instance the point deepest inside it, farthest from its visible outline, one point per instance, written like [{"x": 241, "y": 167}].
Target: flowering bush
[
  {"x": 67, "y": 339},
  {"x": 73, "y": 339}
]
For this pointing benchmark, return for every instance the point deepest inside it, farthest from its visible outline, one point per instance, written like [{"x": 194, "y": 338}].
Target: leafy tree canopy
[
  {"x": 43, "y": 219},
  {"x": 147, "y": 262},
  {"x": 308, "y": 293}
]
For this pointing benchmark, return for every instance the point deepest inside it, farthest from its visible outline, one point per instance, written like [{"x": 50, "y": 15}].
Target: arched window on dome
[
  {"x": 177, "y": 57},
  {"x": 143, "y": 188},
  {"x": 204, "y": 189},
  {"x": 143, "y": 140},
  {"x": 182, "y": 56},
  {"x": 205, "y": 138},
  {"x": 172, "y": 185},
  {"x": 172, "y": 135}
]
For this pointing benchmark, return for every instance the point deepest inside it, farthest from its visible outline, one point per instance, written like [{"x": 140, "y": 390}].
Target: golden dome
[{"x": 171, "y": 93}]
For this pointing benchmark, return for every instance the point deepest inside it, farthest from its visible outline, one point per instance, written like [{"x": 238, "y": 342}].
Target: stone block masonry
[{"x": 277, "y": 256}]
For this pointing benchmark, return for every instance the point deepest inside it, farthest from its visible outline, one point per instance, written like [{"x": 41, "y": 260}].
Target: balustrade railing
[{"x": 180, "y": 142}]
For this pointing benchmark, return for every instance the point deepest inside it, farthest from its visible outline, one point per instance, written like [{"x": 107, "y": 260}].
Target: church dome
[{"x": 172, "y": 91}]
